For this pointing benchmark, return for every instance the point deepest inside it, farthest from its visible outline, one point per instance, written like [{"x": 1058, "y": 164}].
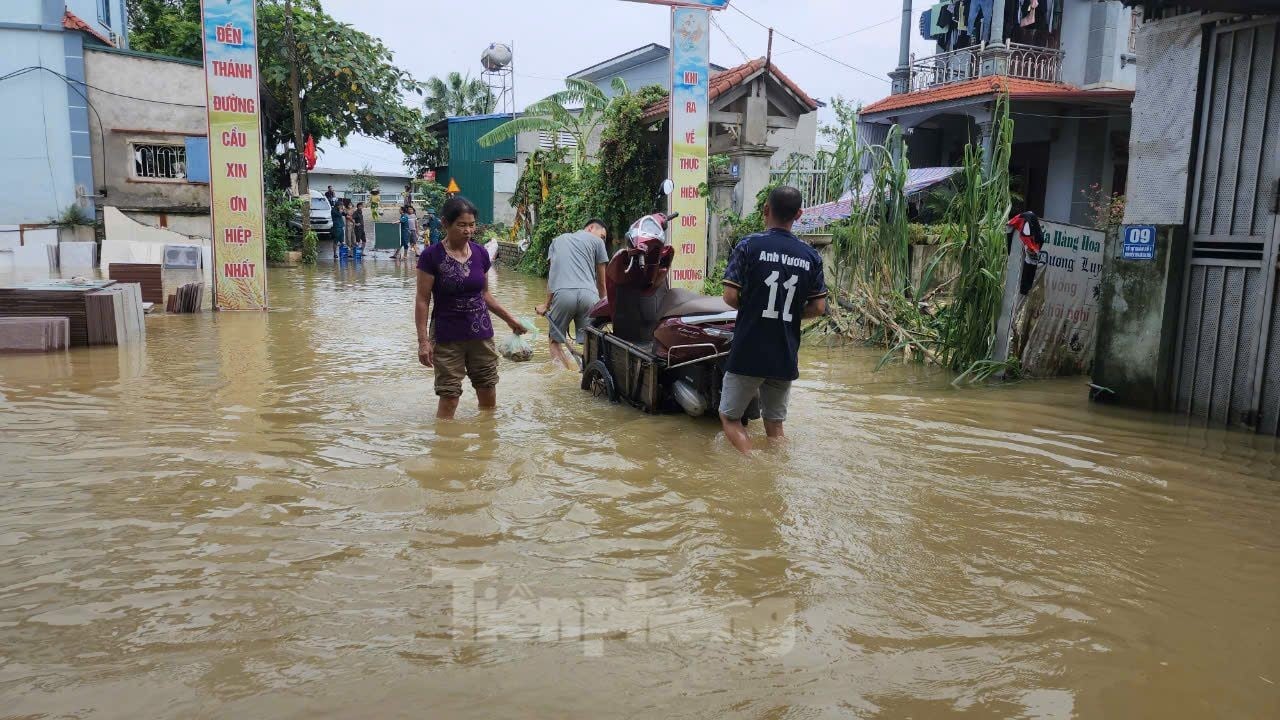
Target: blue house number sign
[{"x": 1139, "y": 242}]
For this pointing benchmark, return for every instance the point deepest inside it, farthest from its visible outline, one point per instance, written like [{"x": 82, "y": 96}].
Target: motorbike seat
[
  {"x": 683, "y": 303},
  {"x": 635, "y": 313}
]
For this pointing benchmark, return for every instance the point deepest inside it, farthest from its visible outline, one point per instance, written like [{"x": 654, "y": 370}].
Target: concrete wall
[
  {"x": 194, "y": 224},
  {"x": 320, "y": 178},
  {"x": 45, "y": 152},
  {"x": 802, "y": 139},
  {"x": 176, "y": 112},
  {"x": 656, "y": 72},
  {"x": 1107, "y": 41},
  {"x": 36, "y": 169},
  {"x": 1095, "y": 36},
  {"x": 1079, "y": 158},
  {"x": 1138, "y": 319},
  {"x": 1141, "y": 301}
]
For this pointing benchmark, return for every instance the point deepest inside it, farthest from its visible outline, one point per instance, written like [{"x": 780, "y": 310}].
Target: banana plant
[{"x": 577, "y": 111}]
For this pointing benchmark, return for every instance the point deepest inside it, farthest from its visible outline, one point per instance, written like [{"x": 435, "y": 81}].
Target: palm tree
[
  {"x": 578, "y": 111},
  {"x": 457, "y": 96}
]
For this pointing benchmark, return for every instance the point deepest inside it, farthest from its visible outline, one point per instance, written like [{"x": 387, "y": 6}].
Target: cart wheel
[{"x": 597, "y": 379}]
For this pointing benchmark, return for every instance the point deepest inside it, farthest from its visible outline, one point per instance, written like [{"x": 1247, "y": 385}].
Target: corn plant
[{"x": 968, "y": 328}]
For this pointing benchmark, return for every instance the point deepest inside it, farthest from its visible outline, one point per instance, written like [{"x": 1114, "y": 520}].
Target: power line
[
  {"x": 807, "y": 47},
  {"x": 729, "y": 38},
  {"x": 101, "y": 90},
  {"x": 74, "y": 85},
  {"x": 841, "y": 37}
]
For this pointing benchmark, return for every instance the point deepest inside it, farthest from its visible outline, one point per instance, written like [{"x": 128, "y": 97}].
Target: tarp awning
[{"x": 918, "y": 180}]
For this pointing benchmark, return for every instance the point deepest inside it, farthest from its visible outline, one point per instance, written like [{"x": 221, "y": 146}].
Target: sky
[{"x": 553, "y": 38}]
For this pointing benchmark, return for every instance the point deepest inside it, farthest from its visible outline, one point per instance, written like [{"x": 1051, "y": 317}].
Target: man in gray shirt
[{"x": 574, "y": 285}]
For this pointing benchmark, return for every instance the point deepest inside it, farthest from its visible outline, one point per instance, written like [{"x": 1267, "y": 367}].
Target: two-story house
[
  {"x": 651, "y": 65},
  {"x": 46, "y": 163},
  {"x": 1068, "y": 67}
]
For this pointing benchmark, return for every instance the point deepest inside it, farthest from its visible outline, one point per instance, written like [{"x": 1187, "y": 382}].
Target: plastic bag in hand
[{"x": 519, "y": 348}]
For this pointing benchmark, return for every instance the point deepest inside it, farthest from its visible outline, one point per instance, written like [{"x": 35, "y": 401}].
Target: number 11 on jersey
[{"x": 771, "y": 311}]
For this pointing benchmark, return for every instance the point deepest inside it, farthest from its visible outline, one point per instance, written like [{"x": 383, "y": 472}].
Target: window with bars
[
  {"x": 160, "y": 162},
  {"x": 548, "y": 140}
]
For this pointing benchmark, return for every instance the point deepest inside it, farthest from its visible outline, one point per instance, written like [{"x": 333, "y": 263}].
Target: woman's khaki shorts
[{"x": 476, "y": 359}]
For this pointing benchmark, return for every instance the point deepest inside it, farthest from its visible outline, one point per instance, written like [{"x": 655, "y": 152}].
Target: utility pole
[
  {"x": 295, "y": 99},
  {"x": 902, "y": 75}
]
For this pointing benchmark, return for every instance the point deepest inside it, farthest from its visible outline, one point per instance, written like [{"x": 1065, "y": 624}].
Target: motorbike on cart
[{"x": 652, "y": 346}]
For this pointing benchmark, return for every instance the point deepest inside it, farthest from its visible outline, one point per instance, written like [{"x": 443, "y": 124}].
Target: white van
[{"x": 321, "y": 216}]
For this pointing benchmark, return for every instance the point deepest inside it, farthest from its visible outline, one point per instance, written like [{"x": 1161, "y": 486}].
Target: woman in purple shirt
[{"x": 459, "y": 341}]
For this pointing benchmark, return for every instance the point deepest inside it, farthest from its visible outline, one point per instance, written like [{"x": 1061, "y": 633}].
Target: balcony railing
[
  {"x": 1027, "y": 62},
  {"x": 945, "y": 68}
]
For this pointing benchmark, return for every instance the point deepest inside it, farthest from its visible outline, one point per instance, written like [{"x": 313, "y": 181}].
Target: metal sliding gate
[{"x": 1228, "y": 368}]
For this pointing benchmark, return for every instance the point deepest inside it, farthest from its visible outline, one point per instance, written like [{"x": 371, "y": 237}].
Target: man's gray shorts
[
  {"x": 739, "y": 390},
  {"x": 569, "y": 305}
]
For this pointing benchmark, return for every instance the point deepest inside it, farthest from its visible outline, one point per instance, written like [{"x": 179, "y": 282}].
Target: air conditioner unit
[
  {"x": 115, "y": 39},
  {"x": 182, "y": 257}
]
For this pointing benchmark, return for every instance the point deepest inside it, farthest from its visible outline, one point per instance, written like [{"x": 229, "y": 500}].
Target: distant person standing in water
[
  {"x": 774, "y": 280},
  {"x": 358, "y": 220},
  {"x": 413, "y": 229},
  {"x": 339, "y": 227},
  {"x": 455, "y": 337},
  {"x": 406, "y": 235},
  {"x": 433, "y": 227}
]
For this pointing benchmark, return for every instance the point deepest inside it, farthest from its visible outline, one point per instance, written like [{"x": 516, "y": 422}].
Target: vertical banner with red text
[
  {"x": 690, "y": 67},
  {"x": 235, "y": 154}
]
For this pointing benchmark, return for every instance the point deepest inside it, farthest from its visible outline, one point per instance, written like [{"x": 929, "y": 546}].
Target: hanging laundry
[
  {"x": 926, "y": 24},
  {"x": 1029, "y": 18},
  {"x": 946, "y": 16},
  {"x": 980, "y": 9},
  {"x": 936, "y": 28}
]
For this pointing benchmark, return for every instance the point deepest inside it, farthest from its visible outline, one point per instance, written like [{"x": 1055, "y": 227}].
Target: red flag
[{"x": 309, "y": 152}]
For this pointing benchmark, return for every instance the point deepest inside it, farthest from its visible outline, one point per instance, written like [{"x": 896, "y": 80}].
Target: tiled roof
[
  {"x": 1016, "y": 87},
  {"x": 723, "y": 82},
  {"x": 71, "y": 22}
]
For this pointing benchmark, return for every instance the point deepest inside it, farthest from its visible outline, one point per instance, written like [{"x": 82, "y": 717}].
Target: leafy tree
[
  {"x": 347, "y": 81},
  {"x": 457, "y": 95},
  {"x": 848, "y": 161},
  {"x": 430, "y": 193},
  {"x": 578, "y": 110},
  {"x": 632, "y": 160},
  {"x": 363, "y": 180},
  {"x": 167, "y": 27}
]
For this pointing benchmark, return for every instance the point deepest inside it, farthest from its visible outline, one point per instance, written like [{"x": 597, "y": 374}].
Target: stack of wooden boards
[
  {"x": 97, "y": 312},
  {"x": 115, "y": 315},
  {"x": 34, "y": 334},
  {"x": 52, "y": 299},
  {"x": 187, "y": 299},
  {"x": 149, "y": 276}
]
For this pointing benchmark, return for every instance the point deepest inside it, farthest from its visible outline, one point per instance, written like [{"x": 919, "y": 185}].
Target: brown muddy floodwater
[{"x": 256, "y": 516}]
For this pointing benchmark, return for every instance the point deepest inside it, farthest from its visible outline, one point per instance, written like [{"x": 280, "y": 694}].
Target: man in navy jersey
[{"x": 775, "y": 281}]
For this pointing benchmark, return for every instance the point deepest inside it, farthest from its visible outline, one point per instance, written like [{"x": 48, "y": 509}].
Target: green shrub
[
  {"x": 309, "y": 248},
  {"x": 713, "y": 285}
]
